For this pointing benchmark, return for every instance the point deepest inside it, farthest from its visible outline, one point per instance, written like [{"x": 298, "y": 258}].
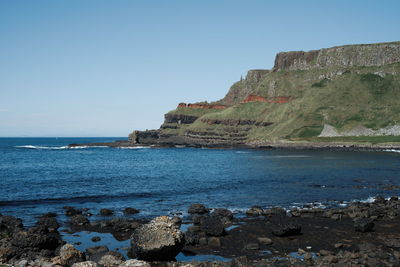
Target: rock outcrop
[
  {"x": 342, "y": 91},
  {"x": 158, "y": 240}
]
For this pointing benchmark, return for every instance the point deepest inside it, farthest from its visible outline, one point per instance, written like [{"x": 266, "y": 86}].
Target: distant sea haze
[{"x": 42, "y": 175}]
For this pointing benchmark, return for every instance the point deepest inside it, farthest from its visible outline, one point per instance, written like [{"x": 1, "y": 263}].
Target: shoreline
[
  {"x": 311, "y": 236},
  {"x": 343, "y": 146}
]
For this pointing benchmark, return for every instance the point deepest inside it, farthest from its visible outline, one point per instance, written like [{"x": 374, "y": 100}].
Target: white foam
[
  {"x": 392, "y": 150},
  {"x": 57, "y": 147},
  {"x": 134, "y": 147}
]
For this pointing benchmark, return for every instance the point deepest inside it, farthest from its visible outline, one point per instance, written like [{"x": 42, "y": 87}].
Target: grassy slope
[{"x": 356, "y": 97}]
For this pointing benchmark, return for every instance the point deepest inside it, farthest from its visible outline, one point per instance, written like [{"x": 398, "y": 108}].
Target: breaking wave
[{"x": 56, "y": 147}]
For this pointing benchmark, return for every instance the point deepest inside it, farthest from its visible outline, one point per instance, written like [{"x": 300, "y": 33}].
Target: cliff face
[
  {"x": 340, "y": 57},
  {"x": 347, "y": 87}
]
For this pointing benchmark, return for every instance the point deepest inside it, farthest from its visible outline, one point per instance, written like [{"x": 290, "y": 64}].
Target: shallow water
[{"x": 39, "y": 175}]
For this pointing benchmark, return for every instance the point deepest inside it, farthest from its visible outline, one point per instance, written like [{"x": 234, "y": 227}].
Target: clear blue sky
[{"x": 104, "y": 68}]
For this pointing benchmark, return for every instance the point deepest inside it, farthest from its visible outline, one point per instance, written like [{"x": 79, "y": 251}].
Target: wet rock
[
  {"x": 198, "y": 209},
  {"x": 264, "y": 240},
  {"x": 286, "y": 229},
  {"x": 177, "y": 220},
  {"x": 37, "y": 237},
  {"x": 379, "y": 200},
  {"x": 110, "y": 261},
  {"x": 203, "y": 241},
  {"x": 275, "y": 211},
  {"x": 160, "y": 239},
  {"x": 79, "y": 220},
  {"x": 252, "y": 246},
  {"x": 70, "y": 255},
  {"x": 196, "y": 219},
  {"x": 194, "y": 228},
  {"x": 95, "y": 253},
  {"x": 71, "y": 211},
  {"x": 130, "y": 211},
  {"x": 49, "y": 222},
  {"x": 214, "y": 242},
  {"x": 95, "y": 239},
  {"x": 364, "y": 225},
  {"x": 85, "y": 264},
  {"x": 106, "y": 212},
  {"x": 135, "y": 263},
  {"x": 192, "y": 238},
  {"x": 255, "y": 211},
  {"x": 212, "y": 226},
  {"x": 223, "y": 213},
  {"x": 10, "y": 225}
]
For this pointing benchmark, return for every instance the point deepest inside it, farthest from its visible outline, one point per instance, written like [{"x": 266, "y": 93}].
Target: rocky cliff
[{"x": 316, "y": 94}]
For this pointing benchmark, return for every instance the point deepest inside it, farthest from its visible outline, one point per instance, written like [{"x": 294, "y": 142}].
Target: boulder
[
  {"x": 106, "y": 212},
  {"x": 364, "y": 225},
  {"x": 255, "y": 211},
  {"x": 192, "y": 238},
  {"x": 85, "y": 264},
  {"x": 212, "y": 226},
  {"x": 161, "y": 239},
  {"x": 70, "y": 255},
  {"x": 109, "y": 260},
  {"x": 71, "y": 211},
  {"x": 49, "y": 222},
  {"x": 135, "y": 263},
  {"x": 79, "y": 220},
  {"x": 286, "y": 229},
  {"x": 10, "y": 225},
  {"x": 95, "y": 253},
  {"x": 223, "y": 213},
  {"x": 198, "y": 209},
  {"x": 130, "y": 211}
]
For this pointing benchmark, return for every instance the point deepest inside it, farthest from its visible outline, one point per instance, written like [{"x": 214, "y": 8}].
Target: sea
[{"x": 39, "y": 175}]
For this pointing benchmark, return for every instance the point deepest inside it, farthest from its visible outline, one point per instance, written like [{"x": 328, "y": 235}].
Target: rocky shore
[
  {"x": 344, "y": 146},
  {"x": 360, "y": 234}
]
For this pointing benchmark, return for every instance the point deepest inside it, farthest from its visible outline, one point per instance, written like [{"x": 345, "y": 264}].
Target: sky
[{"x": 106, "y": 68}]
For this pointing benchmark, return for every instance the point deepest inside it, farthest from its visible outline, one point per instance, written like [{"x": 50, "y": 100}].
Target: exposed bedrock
[
  {"x": 179, "y": 118},
  {"x": 160, "y": 239},
  {"x": 341, "y": 56}
]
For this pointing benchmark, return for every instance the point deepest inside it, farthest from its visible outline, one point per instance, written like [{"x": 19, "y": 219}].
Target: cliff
[{"x": 315, "y": 95}]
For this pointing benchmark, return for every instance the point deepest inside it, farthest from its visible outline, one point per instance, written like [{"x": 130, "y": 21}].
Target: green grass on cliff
[{"x": 341, "y": 98}]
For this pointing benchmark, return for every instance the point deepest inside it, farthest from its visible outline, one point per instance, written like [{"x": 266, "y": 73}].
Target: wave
[
  {"x": 57, "y": 147},
  {"x": 392, "y": 150},
  {"x": 134, "y": 147}
]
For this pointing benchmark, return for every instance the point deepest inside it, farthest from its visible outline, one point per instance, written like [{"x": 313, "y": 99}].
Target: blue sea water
[{"x": 39, "y": 175}]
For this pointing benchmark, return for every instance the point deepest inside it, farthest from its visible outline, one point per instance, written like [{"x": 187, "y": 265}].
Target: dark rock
[
  {"x": 214, "y": 242},
  {"x": 36, "y": 237},
  {"x": 196, "y": 219},
  {"x": 364, "y": 225},
  {"x": 212, "y": 225},
  {"x": 79, "y": 220},
  {"x": 255, "y": 211},
  {"x": 275, "y": 211},
  {"x": 70, "y": 255},
  {"x": 9, "y": 225},
  {"x": 223, "y": 213},
  {"x": 192, "y": 238},
  {"x": 49, "y": 215},
  {"x": 158, "y": 240},
  {"x": 106, "y": 212},
  {"x": 49, "y": 222},
  {"x": 95, "y": 253},
  {"x": 252, "y": 246},
  {"x": 198, "y": 209},
  {"x": 286, "y": 229},
  {"x": 95, "y": 239},
  {"x": 177, "y": 220},
  {"x": 130, "y": 211},
  {"x": 71, "y": 211},
  {"x": 380, "y": 200}
]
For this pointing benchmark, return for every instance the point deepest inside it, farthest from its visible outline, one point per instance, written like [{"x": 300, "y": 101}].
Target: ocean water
[{"x": 39, "y": 175}]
